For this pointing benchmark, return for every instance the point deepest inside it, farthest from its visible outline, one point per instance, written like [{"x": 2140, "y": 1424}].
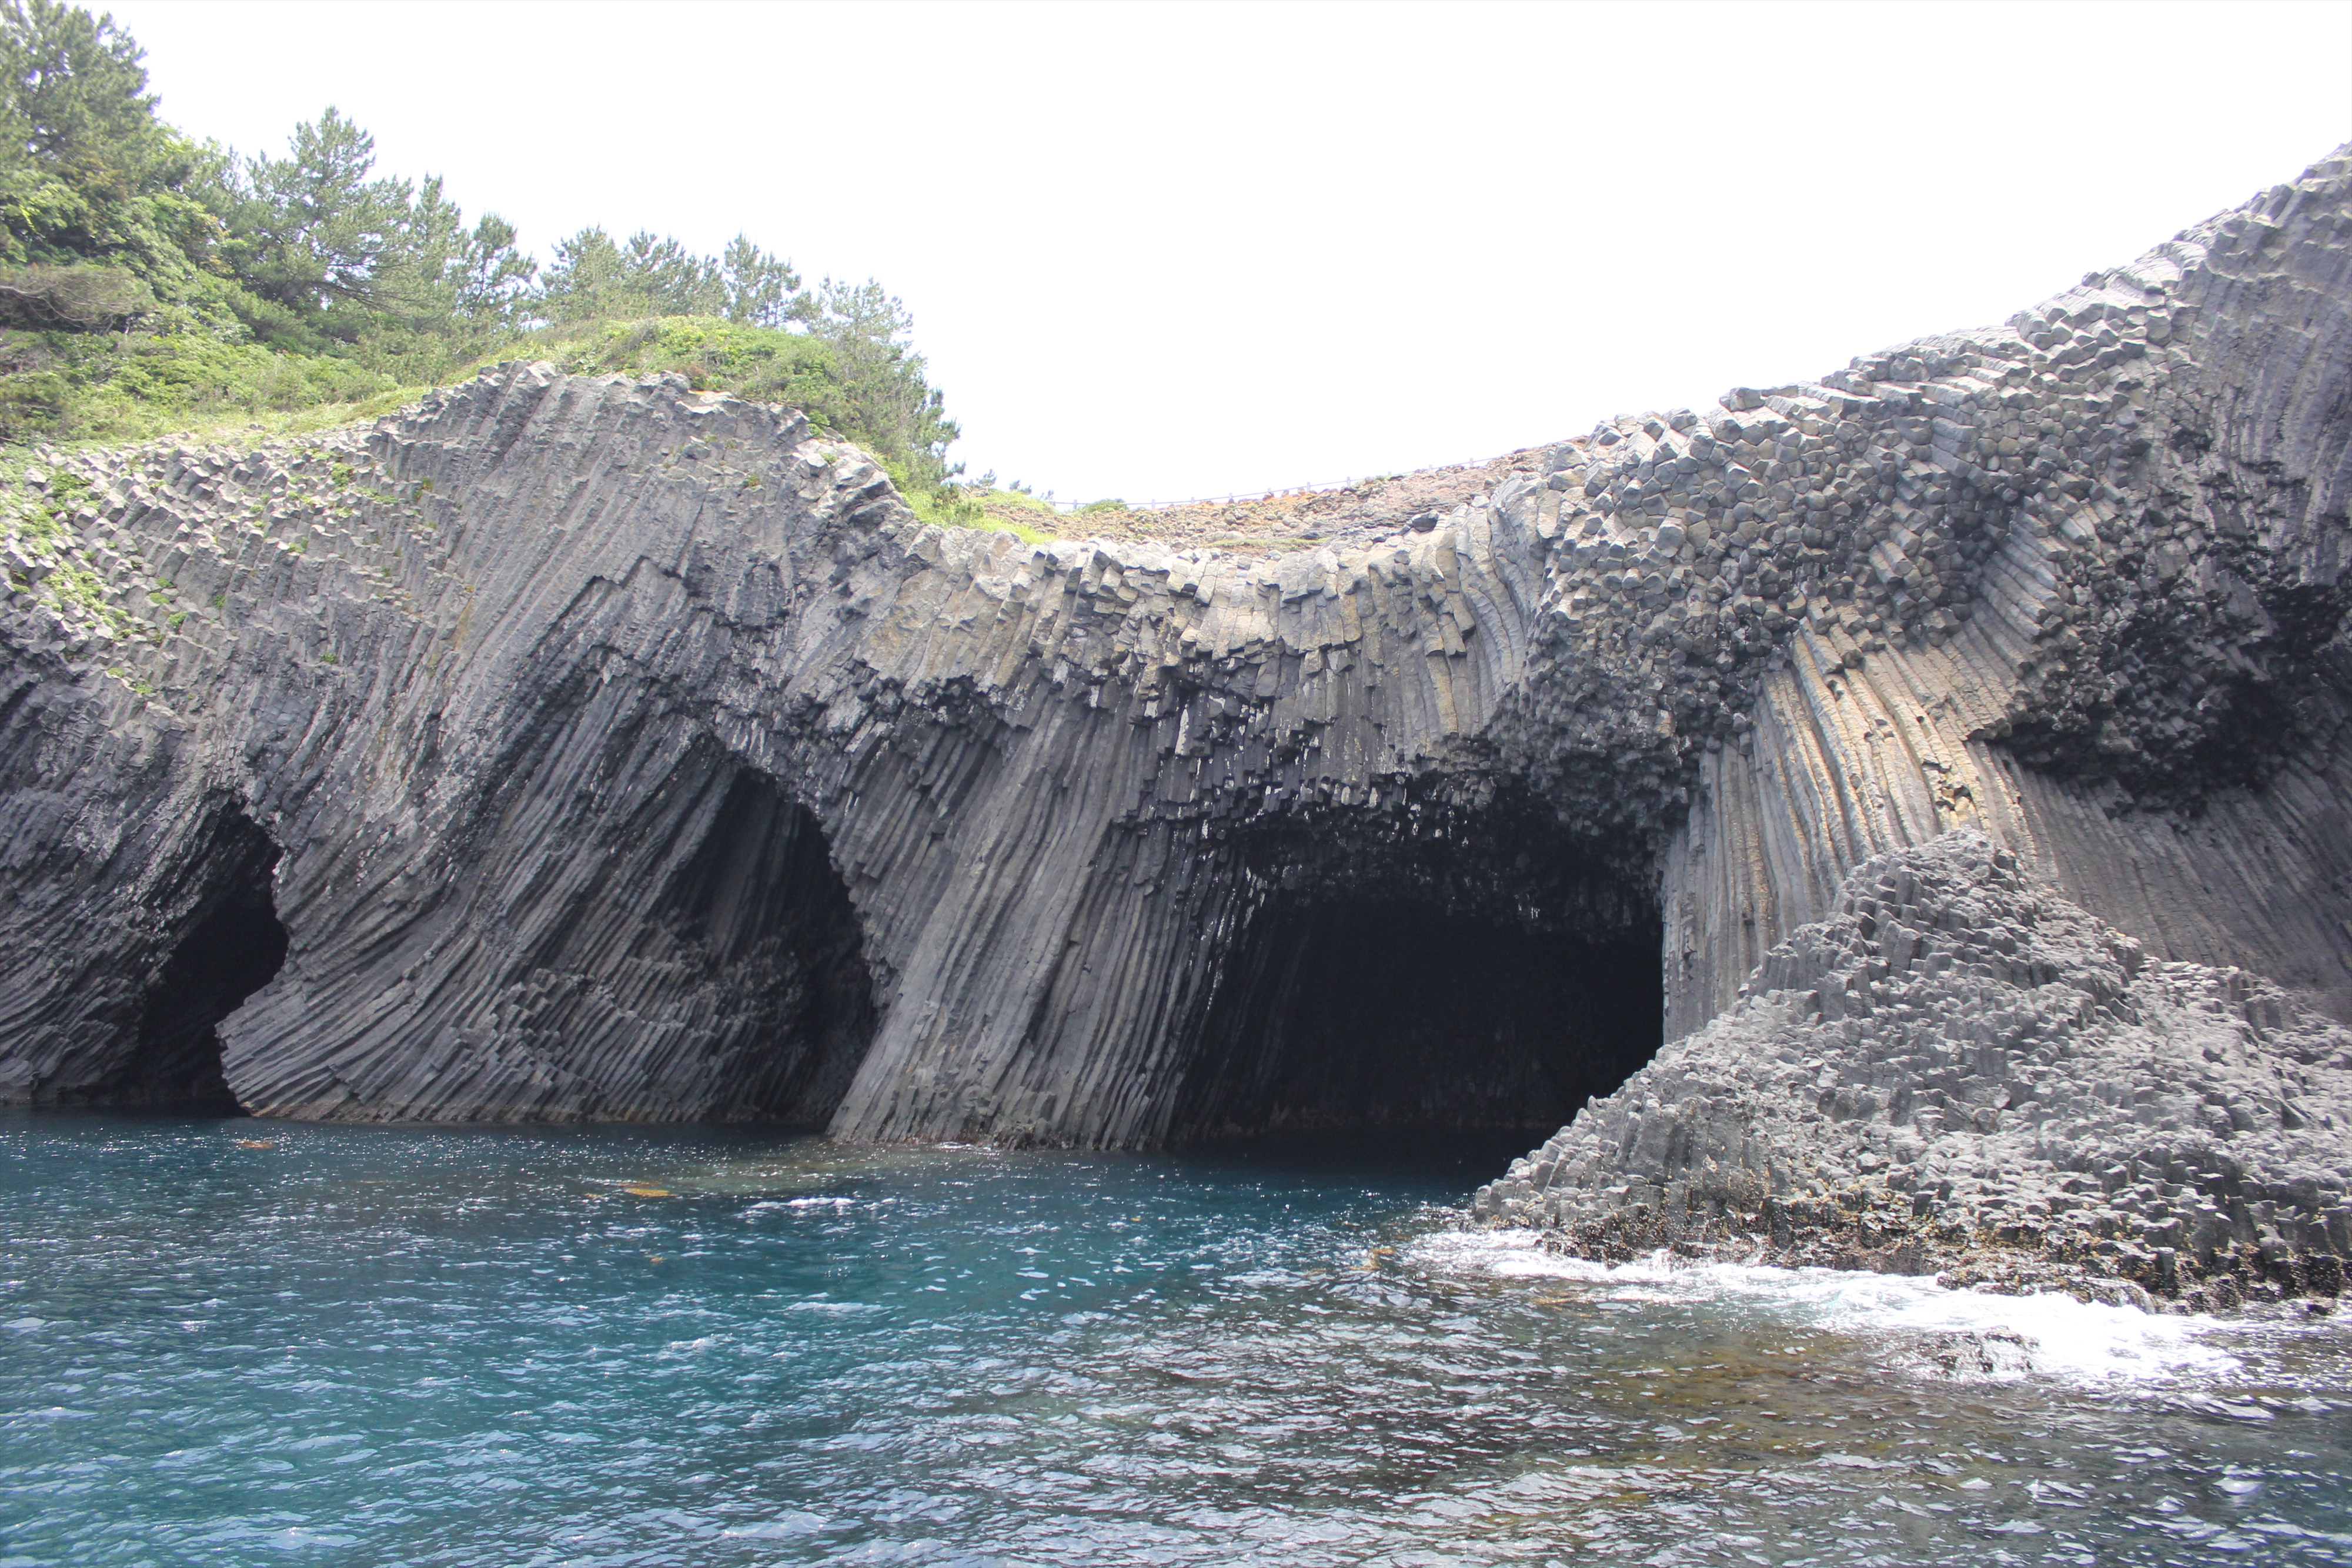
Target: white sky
[{"x": 1169, "y": 251}]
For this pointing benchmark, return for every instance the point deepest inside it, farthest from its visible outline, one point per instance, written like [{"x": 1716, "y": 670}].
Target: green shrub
[{"x": 149, "y": 285}]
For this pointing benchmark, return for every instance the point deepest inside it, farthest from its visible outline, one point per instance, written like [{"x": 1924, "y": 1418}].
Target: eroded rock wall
[
  {"x": 515, "y": 683},
  {"x": 497, "y": 676},
  {"x": 2142, "y": 485}
]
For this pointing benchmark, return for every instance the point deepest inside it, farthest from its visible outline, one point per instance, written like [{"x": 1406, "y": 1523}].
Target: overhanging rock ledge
[{"x": 603, "y": 749}]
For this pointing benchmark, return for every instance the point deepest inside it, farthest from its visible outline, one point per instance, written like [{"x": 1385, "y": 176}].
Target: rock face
[
  {"x": 1960, "y": 1071},
  {"x": 575, "y": 747}
]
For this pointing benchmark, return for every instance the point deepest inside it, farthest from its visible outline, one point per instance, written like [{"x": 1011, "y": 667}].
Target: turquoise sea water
[{"x": 364, "y": 1345}]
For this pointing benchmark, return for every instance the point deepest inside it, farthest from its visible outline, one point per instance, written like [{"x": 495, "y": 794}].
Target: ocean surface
[{"x": 237, "y": 1341}]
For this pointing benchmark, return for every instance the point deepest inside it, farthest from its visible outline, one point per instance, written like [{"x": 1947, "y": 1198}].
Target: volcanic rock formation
[
  {"x": 569, "y": 747},
  {"x": 1960, "y": 1073}
]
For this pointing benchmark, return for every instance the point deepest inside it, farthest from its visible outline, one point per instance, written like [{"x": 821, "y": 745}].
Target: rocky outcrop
[
  {"x": 600, "y": 748},
  {"x": 1960, "y": 1072}
]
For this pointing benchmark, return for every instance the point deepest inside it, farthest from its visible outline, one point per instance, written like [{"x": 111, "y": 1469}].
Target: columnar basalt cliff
[{"x": 575, "y": 747}]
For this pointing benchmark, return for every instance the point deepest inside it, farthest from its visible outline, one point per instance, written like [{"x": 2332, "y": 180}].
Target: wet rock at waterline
[
  {"x": 1959, "y": 1072},
  {"x": 576, "y": 747}
]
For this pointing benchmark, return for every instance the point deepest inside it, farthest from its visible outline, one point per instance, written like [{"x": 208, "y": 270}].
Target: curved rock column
[{"x": 633, "y": 752}]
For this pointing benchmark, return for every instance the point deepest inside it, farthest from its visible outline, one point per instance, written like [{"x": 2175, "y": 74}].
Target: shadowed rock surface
[{"x": 613, "y": 750}]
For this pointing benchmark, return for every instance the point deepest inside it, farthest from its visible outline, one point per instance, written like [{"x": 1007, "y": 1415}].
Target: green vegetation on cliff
[{"x": 151, "y": 284}]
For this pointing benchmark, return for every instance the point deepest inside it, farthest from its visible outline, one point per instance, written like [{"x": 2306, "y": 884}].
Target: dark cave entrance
[
  {"x": 772, "y": 920},
  {"x": 233, "y": 946},
  {"x": 1483, "y": 987}
]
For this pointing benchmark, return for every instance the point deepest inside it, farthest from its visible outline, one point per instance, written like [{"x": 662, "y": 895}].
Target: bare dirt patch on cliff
[{"x": 1356, "y": 514}]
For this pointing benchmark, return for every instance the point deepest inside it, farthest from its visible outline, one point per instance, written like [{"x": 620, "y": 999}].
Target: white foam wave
[
  {"x": 845, "y": 1309},
  {"x": 2081, "y": 1341}
]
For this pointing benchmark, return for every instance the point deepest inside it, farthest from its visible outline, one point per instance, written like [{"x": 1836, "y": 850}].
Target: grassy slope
[{"x": 96, "y": 390}]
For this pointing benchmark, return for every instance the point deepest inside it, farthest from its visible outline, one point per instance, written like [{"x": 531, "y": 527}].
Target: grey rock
[
  {"x": 1961, "y": 1072},
  {"x": 607, "y": 749}
]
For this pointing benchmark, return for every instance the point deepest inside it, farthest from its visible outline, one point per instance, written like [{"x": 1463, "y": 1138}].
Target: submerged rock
[{"x": 1960, "y": 1072}]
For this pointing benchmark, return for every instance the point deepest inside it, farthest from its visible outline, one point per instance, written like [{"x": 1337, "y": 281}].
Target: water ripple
[{"x": 631, "y": 1347}]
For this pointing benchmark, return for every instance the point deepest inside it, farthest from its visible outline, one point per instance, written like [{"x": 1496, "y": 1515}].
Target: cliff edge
[{"x": 578, "y": 747}]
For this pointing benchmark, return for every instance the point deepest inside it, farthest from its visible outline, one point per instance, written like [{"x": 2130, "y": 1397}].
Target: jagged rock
[
  {"x": 600, "y": 748},
  {"x": 1961, "y": 1072}
]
